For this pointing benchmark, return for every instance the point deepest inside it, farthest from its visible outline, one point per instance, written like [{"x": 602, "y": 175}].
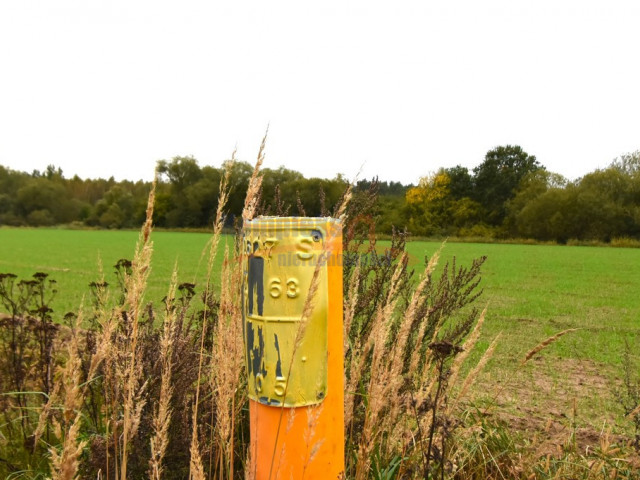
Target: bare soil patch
[{"x": 560, "y": 403}]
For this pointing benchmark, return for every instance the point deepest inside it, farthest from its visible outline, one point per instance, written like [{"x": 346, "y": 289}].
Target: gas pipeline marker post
[{"x": 294, "y": 362}]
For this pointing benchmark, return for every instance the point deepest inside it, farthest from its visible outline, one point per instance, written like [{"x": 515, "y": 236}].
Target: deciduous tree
[{"x": 498, "y": 176}]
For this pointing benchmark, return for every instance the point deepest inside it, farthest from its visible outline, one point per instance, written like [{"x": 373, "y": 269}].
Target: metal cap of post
[{"x": 294, "y": 361}]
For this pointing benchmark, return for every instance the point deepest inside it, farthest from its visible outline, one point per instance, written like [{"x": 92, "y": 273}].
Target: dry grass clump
[
  {"x": 196, "y": 465},
  {"x": 404, "y": 344},
  {"x": 162, "y": 416},
  {"x": 64, "y": 464},
  {"x": 131, "y": 383},
  {"x": 227, "y": 353},
  {"x": 129, "y": 350}
]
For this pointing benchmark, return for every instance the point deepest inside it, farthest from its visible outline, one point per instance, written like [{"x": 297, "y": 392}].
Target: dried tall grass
[
  {"x": 252, "y": 198},
  {"x": 196, "y": 464},
  {"x": 69, "y": 389},
  {"x": 136, "y": 283},
  {"x": 403, "y": 357},
  {"x": 249, "y": 210},
  {"x": 226, "y": 366},
  {"x": 479, "y": 367},
  {"x": 162, "y": 416},
  {"x": 377, "y": 388},
  {"x": 64, "y": 465}
]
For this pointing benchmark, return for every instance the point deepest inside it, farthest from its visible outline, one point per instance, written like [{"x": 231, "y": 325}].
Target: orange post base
[{"x": 309, "y": 445}]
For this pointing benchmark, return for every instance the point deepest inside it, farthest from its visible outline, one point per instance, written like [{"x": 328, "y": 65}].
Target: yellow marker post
[{"x": 294, "y": 368}]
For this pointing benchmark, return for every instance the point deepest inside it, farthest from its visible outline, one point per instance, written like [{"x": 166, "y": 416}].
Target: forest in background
[{"x": 509, "y": 195}]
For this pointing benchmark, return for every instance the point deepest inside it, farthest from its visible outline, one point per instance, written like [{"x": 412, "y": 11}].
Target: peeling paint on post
[{"x": 295, "y": 388}]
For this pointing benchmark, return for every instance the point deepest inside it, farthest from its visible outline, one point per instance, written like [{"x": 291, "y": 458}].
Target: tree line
[
  {"x": 508, "y": 195},
  {"x": 511, "y": 195}
]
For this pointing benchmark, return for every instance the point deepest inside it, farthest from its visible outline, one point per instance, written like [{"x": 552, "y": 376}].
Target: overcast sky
[{"x": 399, "y": 88}]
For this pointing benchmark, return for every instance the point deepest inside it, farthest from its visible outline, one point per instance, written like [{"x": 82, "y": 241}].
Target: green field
[
  {"x": 531, "y": 292},
  {"x": 71, "y": 257},
  {"x": 534, "y": 291}
]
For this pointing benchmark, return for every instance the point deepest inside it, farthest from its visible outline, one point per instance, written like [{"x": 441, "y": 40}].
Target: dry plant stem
[
  {"x": 98, "y": 357},
  {"x": 546, "y": 343},
  {"x": 378, "y": 388},
  {"x": 635, "y": 411},
  {"x": 369, "y": 431},
  {"x": 430, "y": 378},
  {"x": 466, "y": 348},
  {"x": 196, "y": 466},
  {"x": 227, "y": 354},
  {"x": 312, "y": 419},
  {"x": 64, "y": 465},
  {"x": 221, "y": 367},
  {"x": 434, "y": 409},
  {"x": 196, "y": 470},
  {"x": 162, "y": 416},
  {"x": 377, "y": 335},
  {"x": 395, "y": 366},
  {"x": 228, "y": 360},
  {"x": 255, "y": 182},
  {"x": 473, "y": 374},
  {"x": 250, "y": 465},
  {"x": 236, "y": 320},
  {"x": 349, "y": 311},
  {"x": 415, "y": 356},
  {"x": 427, "y": 377},
  {"x": 107, "y": 343},
  {"x": 341, "y": 211},
  {"x": 45, "y": 412},
  {"x": 418, "y": 428},
  {"x": 248, "y": 212},
  {"x": 348, "y": 319},
  {"x": 223, "y": 198},
  {"x": 136, "y": 285},
  {"x": 358, "y": 358},
  {"x": 355, "y": 349}
]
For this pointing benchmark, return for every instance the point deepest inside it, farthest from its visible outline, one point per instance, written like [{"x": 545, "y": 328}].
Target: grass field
[
  {"x": 534, "y": 291},
  {"x": 531, "y": 292},
  {"x": 71, "y": 257}
]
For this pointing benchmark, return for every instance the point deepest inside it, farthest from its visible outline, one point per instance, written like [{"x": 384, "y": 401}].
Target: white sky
[{"x": 103, "y": 88}]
